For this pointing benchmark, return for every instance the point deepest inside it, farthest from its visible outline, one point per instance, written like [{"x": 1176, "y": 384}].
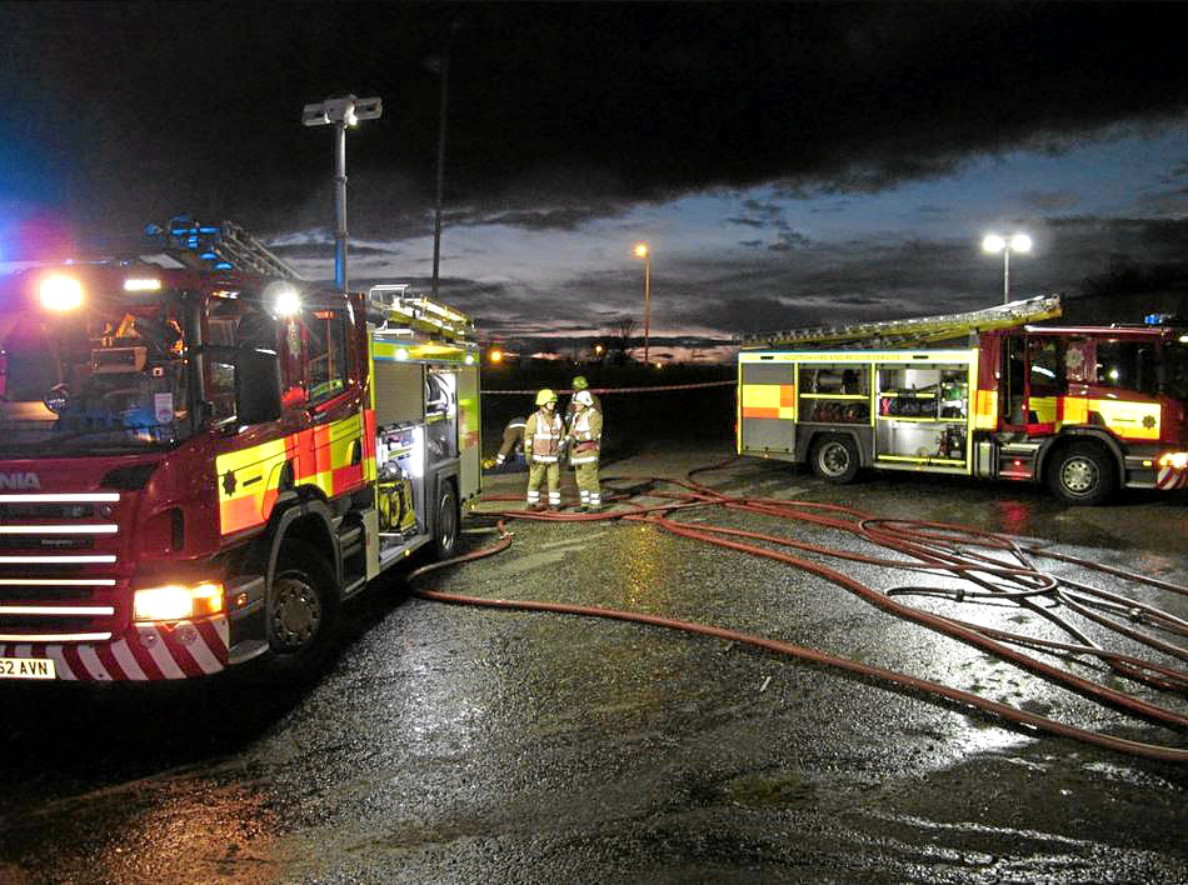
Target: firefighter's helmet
[
  {"x": 580, "y": 383},
  {"x": 545, "y": 396},
  {"x": 584, "y": 397}
]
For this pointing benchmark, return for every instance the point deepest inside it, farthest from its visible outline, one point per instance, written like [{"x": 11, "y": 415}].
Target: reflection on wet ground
[{"x": 462, "y": 745}]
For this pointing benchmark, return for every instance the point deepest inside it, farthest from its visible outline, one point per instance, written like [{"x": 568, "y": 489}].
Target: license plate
[{"x": 27, "y": 668}]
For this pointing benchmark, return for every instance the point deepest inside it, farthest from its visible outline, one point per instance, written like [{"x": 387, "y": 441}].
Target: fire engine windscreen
[{"x": 108, "y": 378}]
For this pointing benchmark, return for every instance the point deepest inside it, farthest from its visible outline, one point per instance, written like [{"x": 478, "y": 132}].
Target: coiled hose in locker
[{"x": 936, "y": 548}]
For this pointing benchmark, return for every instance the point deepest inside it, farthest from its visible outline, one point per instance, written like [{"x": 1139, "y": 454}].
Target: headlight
[
  {"x": 1174, "y": 460},
  {"x": 61, "y": 293},
  {"x": 178, "y": 602}
]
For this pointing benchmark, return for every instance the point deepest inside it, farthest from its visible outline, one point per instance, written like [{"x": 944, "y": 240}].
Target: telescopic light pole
[
  {"x": 993, "y": 243},
  {"x": 341, "y": 112}
]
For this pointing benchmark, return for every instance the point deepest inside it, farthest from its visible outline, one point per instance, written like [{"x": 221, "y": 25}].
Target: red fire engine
[
  {"x": 200, "y": 462},
  {"x": 988, "y": 394}
]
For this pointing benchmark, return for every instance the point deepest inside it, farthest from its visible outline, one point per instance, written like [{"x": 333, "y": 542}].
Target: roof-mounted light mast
[{"x": 341, "y": 112}]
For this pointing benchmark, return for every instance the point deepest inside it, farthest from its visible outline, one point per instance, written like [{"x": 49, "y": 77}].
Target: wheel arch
[
  {"x": 810, "y": 439},
  {"x": 1081, "y": 435},
  {"x": 308, "y": 520}
]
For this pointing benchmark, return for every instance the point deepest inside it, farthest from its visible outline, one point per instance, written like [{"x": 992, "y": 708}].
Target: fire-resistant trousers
[
  {"x": 537, "y": 474},
  {"x": 586, "y": 477}
]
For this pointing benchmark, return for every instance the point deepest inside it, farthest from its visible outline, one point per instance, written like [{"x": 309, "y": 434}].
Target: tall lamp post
[
  {"x": 642, "y": 250},
  {"x": 993, "y": 243},
  {"x": 340, "y": 113}
]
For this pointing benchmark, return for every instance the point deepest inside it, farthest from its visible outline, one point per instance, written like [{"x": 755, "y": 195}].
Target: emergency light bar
[{"x": 1161, "y": 319}]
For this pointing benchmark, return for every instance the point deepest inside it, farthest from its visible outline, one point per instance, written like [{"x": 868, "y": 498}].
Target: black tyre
[
  {"x": 1082, "y": 473},
  {"x": 303, "y": 614},
  {"x": 834, "y": 458},
  {"x": 446, "y": 522}
]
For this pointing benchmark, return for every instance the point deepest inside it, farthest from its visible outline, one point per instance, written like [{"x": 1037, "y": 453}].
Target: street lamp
[
  {"x": 643, "y": 251},
  {"x": 340, "y": 113},
  {"x": 994, "y": 244}
]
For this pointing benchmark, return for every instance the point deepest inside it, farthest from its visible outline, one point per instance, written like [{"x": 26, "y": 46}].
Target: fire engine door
[
  {"x": 1032, "y": 383},
  {"x": 767, "y": 409}
]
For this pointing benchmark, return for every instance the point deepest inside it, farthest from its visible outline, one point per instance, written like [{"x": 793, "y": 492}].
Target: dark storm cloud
[
  {"x": 136, "y": 111},
  {"x": 787, "y": 240},
  {"x": 1049, "y": 201},
  {"x": 567, "y": 218}
]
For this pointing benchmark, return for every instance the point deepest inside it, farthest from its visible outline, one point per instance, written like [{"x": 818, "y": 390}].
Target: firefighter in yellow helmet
[
  {"x": 542, "y": 449},
  {"x": 579, "y": 384},
  {"x": 585, "y": 436}
]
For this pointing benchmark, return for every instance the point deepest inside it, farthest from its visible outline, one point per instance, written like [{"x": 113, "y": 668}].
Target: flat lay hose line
[{"x": 941, "y": 549}]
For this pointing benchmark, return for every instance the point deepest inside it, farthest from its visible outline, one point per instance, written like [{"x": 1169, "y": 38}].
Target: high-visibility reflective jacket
[
  {"x": 542, "y": 437},
  {"x": 571, "y": 408},
  {"x": 587, "y": 436}
]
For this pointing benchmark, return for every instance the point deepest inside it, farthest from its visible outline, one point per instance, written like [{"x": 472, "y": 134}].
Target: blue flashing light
[
  {"x": 224, "y": 265},
  {"x": 208, "y": 230},
  {"x": 209, "y": 256},
  {"x": 1159, "y": 319}
]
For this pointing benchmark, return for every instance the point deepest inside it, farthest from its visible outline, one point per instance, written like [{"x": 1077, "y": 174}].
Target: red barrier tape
[{"x": 603, "y": 391}]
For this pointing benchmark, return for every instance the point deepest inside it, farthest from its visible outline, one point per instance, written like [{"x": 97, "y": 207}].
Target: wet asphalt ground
[{"x": 465, "y": 745}]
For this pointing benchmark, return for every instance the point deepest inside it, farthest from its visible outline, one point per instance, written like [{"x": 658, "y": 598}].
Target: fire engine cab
[
  {"x": 989, "y": 394},
  {"x": 202, "y": 457}
]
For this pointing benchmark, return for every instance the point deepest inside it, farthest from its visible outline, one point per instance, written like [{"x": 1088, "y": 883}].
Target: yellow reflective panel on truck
[
  {"x": 330, "y": 457},
  {"x": 1127, "y": 419},
  {"x": 248, "y": 480},
  {"x": 1043, "y": 409},
  {"x": 769, "y": 401},
  {"x": 986, "y": 410}
]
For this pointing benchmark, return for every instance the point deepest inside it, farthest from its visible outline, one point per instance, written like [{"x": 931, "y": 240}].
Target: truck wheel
[
  {"x": 445, "y": 525},
  {"x": 1082, "y": 474},
  {"x": 834, "y": 458},
  {"x": 303, "y": 613}
]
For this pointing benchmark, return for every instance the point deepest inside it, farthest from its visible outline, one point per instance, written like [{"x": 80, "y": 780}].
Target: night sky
[{"x": 789, "y": 163}]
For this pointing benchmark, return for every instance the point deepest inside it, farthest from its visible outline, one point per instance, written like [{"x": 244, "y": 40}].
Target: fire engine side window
[
  {"x": 233, "y": 323},
  {"x": 327, "y": 345},
  {"x": 1047, "y": 375},
  {"x": 1127, "y": 365},
  {"x": 221, "y": 321}
]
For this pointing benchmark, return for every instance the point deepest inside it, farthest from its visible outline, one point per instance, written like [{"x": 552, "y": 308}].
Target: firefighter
[
  {"x": 579, "y": 384},
  {"x": 585, "y": 436},
  {"x": 513, "y": 441},
  {"x": 542, "y": 449}
]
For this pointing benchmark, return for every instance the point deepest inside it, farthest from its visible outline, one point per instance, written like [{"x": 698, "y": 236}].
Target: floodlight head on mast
[{"x": 344, "y": 110}]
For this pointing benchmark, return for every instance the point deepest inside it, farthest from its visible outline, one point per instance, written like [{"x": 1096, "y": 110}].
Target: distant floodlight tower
[
  {"x": 644, "y": 251},
  {"x": 341, "y": 112},
  {"x": 995, "y": 244}
]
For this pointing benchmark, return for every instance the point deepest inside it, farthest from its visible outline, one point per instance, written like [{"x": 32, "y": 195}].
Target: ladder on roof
[
  {"x": 914, "y": 330},
  {"x": 225, "y": 246},
  {"x": 405, "y": 311}
]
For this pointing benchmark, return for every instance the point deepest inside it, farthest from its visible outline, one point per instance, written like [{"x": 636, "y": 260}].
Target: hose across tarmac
[{"x": 932, "y": 548}]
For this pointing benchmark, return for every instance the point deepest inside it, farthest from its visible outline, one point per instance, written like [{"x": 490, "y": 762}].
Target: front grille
[{"x": 57, "y": 555}]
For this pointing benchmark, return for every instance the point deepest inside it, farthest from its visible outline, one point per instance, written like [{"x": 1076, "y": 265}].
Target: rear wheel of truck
[
  {"x": 303, "y": 613},
  {"x": 834, "y": 458},
  {"x": 1082, "y": 473},
  {"x": 446, "y": 522}
]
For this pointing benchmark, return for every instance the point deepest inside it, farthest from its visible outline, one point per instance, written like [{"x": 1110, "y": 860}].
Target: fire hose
[{"x": 931, "y": 548}]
